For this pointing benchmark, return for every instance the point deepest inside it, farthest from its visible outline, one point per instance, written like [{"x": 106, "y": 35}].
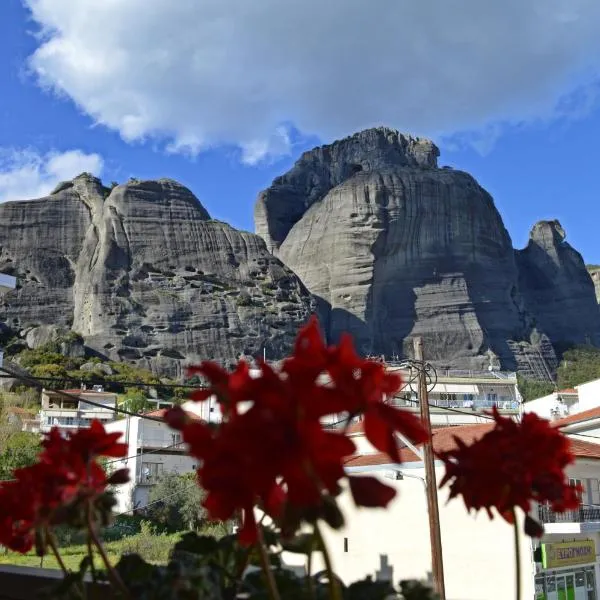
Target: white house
[
  {"x": 73, "y": 413},
  {"x": 556, "y": 405},
  {"x": 478, "y": 553},
  {"x": 153, "y": 449}
]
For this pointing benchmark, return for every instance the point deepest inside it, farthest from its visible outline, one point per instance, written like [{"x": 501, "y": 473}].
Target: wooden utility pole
[{"x": 437, "y": 562}]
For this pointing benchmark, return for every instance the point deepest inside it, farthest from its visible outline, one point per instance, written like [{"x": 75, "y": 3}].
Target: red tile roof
[
  {"x": 443, "y": 440},
  {"x": 156, "y": 413},
  {"x": 586, "y": 415},
  {"x": 568, "y": 391}
]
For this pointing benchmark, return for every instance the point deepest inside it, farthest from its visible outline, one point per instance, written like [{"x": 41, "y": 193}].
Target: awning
[{"x": 459, "y": 388}]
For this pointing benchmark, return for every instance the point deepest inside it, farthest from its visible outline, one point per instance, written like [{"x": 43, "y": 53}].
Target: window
[
  {"x": 151, "y": 472},
  {"x": 48, "y": 420},
  {"x": 579, "y": 482},
  {"x": 69, "y": 421}
]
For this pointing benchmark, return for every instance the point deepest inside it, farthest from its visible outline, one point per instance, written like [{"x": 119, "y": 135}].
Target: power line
[
  {"x": 108, "y": 383},
  {"x": 139, "y": 454},
  {"x": 33, "y": 382},
  {"x": 151, "y": 503}
]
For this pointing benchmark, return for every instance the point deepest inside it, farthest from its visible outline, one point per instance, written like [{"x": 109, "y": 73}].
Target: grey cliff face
[
  {"x": 557, "y": 287},
  {"x": 595, "y": 275},
  {"x": 394, "y": 247},
  {"x": 317, "y": 172},
  {"x": 144, "y": 275}
]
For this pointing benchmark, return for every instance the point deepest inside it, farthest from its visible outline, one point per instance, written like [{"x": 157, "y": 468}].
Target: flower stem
[
  {"x": 266, "y": 567},
  {"x": 517, "y": 555},
  {"x": 112, "y": 573},
  {"x": 309, "y": 578},
  {"x": 334, "y": 588},
  {"x": 54, "y": 548},
  {"x": 91, "y": 557}
]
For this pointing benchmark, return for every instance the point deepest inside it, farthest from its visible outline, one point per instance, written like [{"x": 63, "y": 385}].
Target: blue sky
[{"x": 94, "y": 92}]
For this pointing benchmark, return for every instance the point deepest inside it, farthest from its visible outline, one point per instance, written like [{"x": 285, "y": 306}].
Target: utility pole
[{"x": 437, "y": 563}]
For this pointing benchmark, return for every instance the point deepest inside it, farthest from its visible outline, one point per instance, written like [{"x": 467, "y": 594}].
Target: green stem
[
  {"x": 334, "y": 588},
  {"x": 54, "y": 548},
  {"x": 517, "y": 555},
  {"x": 91, "y": 556},
  {"x": 266, "y": 567},
  {"x": 310, "y": 583},
  {"x": 112, "y": 573}
]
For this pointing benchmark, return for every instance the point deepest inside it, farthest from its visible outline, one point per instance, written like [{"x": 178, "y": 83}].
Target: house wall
[
  {"x": 394, "y": 543},
  {"x": 589, "y": 395},
  {"x": 141, "y": 434}
]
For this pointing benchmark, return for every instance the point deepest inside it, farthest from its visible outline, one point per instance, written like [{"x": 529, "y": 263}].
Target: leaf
[
  {"x": 197, "y": 544},
  {"x": 416, "y": 590},
  {"x": 304, "y": 543},
  {"x": 84, "y": 565},
  {"x": 134, "y": 569},
  {"x": 331, "y": 513}
]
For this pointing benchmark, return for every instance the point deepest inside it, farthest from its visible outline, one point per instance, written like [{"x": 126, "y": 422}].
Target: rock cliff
[
  {"x": 393, "y": 246},
  {"x": 144, "y": 274},
  {"x": 595, "y": 275}
]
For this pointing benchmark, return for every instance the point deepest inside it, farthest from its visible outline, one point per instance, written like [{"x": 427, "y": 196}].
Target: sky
[{"x": 224, "y": 95}]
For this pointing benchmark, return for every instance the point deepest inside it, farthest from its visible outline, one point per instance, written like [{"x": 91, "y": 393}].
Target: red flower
[
  {"x": 511, "y": 466},
  {"x": 88, "y": 443},
  {"x": 276, "y": 453},
  {"x": 365, "y": 385},
  {"x": 65, "y": 475},
  {"x": 229, "y": 388},
  {"x": 369, "y": 491}
]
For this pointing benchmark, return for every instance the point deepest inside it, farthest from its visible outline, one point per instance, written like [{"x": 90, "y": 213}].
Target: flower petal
[{"x": 370, "y": 492}]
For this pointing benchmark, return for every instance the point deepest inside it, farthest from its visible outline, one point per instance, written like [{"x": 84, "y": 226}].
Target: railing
[
  {"x": 463, "y": 373},
  {"x": 585, "y": 513},
  {"x": 463, "y": 405}
]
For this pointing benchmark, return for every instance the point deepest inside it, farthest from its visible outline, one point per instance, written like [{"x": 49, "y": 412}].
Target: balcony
[
  {"x": 585, "y": 518},
  {"x": 503, "y": 404}
]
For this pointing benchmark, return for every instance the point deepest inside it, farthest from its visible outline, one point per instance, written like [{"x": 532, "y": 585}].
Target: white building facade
[
  {"x": 478, "y": 553},
  {"x": 75, "y": 411},
  {"x": 153, "y": 449}
]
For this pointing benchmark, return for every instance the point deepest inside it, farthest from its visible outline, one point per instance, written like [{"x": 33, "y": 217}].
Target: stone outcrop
[
  {"x": 595, "y": 275},
  {"x": 557, "y": 287},
  {"x": 393, "y": 247},
  {"x": 144, "y": 274}
]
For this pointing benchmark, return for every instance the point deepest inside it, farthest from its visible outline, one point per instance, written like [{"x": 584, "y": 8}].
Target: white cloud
[
  {"x": 25, "y": 174},
  {"x": 197, "y": 73}
]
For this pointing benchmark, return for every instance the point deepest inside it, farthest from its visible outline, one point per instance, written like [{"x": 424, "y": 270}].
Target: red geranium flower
[
  {"x": 65, "y": 475},
  {"x": 511, "y": 466},
  {"x": 276, "y": 452}
]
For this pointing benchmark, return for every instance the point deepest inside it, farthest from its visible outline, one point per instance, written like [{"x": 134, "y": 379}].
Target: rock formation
[
  {"x": 393, "y": 246},
  {"x": 595, "y": 275},
  {"x": 144, "y": 275}
]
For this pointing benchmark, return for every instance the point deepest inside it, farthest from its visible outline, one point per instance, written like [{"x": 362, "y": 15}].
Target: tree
[
  {"x": 177, "y": 502},
  {"x": 135, "y": 401},
  {"x": 21, "y": 449}
]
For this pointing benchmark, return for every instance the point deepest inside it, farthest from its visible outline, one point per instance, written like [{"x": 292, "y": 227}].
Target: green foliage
[
  {"x": 578, "y": 365},
  {"x": 135, "y": 400},
  {"x": 531, "y": 389},
  {"x": 177, "y": 502},
  {"x": 20, "y": 450}
]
